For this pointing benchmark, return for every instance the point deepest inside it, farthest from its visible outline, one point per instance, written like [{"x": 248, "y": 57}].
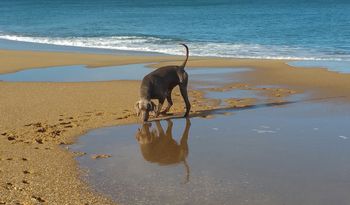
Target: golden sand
[{"x": 38, "y": 117}]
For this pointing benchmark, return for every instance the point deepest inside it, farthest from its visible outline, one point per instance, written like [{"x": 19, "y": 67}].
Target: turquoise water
[{"x": 304, "y": 30}]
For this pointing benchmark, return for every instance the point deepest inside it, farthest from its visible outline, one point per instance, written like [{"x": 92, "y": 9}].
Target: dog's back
[{"x": 159, "y": 81}]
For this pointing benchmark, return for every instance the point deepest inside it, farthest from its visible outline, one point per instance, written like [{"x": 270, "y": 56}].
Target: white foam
[
  {"x": 166, "y": 46},
  {"x": 263, "y": 131}
]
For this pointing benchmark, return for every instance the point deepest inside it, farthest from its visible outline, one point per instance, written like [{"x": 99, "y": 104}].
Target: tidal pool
[
  {"x": 297, "y": 153},
  {"x": 236, "y": 93},
  {"x": 80, "y": 73},
  {"x": 334, "y": 66}
]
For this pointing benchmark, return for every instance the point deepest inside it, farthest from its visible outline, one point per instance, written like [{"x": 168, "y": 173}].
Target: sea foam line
[{"x": 166, "y": 46}]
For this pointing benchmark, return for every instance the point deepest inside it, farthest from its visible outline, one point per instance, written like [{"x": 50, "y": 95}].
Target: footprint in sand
[
  {"x": 38, "y": 199},
  {"x": 123, "y": 117},
  {"x": 9, "y": 186},
  {"x": 99, "y": 114},
  {"x": 11, "y": 138},
  {"x": 65, "y": 123},
  {"x": 56, "y": 133},
  {"x": 38, "y": 124},
  {"x": 26, "y": 172},
  {"x": 41, "y": 129}
]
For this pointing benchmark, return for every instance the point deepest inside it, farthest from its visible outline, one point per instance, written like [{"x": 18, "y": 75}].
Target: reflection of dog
[
  {"x": 159, "y": 147},
  {"x": 159, "y": 85}
]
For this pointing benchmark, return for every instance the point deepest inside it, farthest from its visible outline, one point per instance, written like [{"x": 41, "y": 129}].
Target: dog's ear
[{"x": 137, "y": 108}]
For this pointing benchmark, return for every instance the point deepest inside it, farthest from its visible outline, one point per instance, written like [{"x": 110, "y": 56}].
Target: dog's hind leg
[{"x": 184, "y": 94}]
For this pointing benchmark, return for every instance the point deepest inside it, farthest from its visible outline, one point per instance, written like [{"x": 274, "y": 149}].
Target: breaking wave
[{"x": 168, "y": 46}]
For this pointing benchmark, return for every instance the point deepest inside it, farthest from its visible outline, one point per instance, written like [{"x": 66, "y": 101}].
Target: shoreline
[
  {"x": 269, "y": 71},
  {"x": 39, "y": 117}
]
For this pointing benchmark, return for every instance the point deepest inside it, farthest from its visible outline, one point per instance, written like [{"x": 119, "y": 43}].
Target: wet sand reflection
[{"x": 160, "y": 147}]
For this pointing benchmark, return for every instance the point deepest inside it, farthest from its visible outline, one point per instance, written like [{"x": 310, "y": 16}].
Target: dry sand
[{"x": 38, "y": 117}]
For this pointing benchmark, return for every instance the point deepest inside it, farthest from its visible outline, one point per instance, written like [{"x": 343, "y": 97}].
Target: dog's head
[
  {"x": 145, "y": 134},
  {"x": 143, "y": 107}
]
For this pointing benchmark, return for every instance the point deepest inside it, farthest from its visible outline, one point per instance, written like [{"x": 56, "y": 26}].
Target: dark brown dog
[{"x": 159, "y": 85}]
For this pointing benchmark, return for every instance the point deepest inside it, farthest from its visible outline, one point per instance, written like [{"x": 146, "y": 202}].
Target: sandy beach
[{"x": 37, "y": 118}]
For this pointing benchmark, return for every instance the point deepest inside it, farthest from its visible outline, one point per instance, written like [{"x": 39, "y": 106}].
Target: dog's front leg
[
  {"x": 170, "y": 103},
  {"x": 160, "y": 105}
]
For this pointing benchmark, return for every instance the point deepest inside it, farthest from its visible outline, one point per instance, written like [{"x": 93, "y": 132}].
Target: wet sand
[{"x": 36, "y": 118}]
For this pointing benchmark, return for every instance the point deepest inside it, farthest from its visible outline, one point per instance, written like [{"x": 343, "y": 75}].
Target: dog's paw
[{"x": 186, "y": 115}]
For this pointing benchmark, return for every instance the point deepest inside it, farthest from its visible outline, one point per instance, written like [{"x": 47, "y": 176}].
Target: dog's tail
[{"x": 187, "y": 53}]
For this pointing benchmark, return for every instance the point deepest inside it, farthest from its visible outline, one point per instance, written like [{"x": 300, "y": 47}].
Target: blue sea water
[{"x": 294, "y": 29}]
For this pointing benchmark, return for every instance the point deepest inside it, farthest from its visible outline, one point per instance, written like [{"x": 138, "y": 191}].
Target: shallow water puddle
[
  {"x": 237, "y": 93},
  {"x": 264, "y": 155},
  {"x": 80, "y": 73},
  {"x": 334, "y": 66}
]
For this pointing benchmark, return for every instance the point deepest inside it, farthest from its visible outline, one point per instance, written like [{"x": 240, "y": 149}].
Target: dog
[{"x": 158, "y": 85}]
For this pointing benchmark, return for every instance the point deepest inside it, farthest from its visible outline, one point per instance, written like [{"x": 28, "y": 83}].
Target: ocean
[{"x": 264, "y": 29}]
